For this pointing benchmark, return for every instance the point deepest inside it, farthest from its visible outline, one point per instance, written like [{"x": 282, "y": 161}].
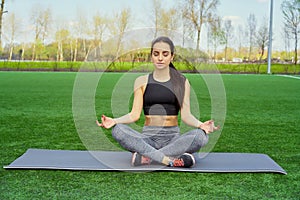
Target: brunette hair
[{"x": 177, "y": 79}]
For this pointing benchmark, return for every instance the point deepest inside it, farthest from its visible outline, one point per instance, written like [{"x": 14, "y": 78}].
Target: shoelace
[
  {"x": 178, "y": 163},
  {"x": 145, "y": 160}
]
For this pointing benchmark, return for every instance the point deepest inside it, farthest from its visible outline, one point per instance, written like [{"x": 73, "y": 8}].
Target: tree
[
  {"x": 262, "y": 38},
  {"x": 100, "y": 25},
  {"x": 1, "y": 16},
  {"x": 291, "y": 14},
  {"x": 45, "y": 24},
  {"x": 12, "y": 27},
  {"x": 83, "y": 33},
  {"x": 217, "y": 37},
  {"x": 41, "y": 22},
  {"x": 120, "y": 26},
  {"x": 157, "y": 15},
  {"x": 251, "y": 34},
  {"x": 80, "y": 28},
  {"x": 228, "y": 30},
  {"x": 199, "y": 12},
  {"x": 61, "y": 37},
  {"x": 169, "y": 21},
  {"x": 240, "y": 38},
  {"x": 164, "y": 19},
  {"x": 287, "y": 43}
]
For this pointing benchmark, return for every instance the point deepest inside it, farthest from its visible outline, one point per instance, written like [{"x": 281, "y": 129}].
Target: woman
[{"x": 161, "y": 95}]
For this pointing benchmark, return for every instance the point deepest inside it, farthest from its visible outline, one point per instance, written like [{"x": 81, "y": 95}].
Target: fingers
[
  {"x": 209, "y": 122},
  {"x": 99, "y": 124},
  {"x": 212, "y": 123},
  {"x": 211, "y": 126},
  {"x": 106, "y": 122},
  {"x": 103, "y": 117}
]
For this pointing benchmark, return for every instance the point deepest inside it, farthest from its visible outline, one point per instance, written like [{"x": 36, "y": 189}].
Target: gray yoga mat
[{"x": 120, "y": 161}]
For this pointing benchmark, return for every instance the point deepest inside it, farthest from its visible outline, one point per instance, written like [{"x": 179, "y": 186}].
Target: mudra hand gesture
[
  {"x": 209, "y": 126},
  {"x": 106, "y": 122}
]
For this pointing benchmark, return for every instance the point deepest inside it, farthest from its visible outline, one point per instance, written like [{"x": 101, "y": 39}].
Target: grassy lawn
[{"x": 262, "y": 117}]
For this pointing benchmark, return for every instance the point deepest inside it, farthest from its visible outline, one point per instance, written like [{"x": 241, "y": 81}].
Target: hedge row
[{"x": 143, "y": 66}]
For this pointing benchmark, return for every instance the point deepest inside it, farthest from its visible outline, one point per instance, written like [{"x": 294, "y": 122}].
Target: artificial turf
[{"x": 262, "y": 116}]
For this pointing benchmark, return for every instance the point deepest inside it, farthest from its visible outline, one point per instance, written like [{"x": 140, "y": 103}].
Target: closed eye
[{"x": 164, "y": 53}]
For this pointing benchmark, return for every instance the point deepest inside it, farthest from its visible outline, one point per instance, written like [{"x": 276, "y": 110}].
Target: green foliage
[
  {"x": 123, "y": 66},
  {"x": 262, "y": 117},
  {"x": 39, "y": 66},
  {"x": 258, "y": 68}
]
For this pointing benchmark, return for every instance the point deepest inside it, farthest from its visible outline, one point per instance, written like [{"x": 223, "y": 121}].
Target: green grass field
[{"x": 263, "y": 116}]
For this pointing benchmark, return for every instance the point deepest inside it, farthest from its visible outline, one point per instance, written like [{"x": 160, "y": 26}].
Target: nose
[{"x": 160, "y": 57}]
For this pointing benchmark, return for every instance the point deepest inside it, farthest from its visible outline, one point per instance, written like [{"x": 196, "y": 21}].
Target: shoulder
[
  {"x": 187, "y": 84},
  {"x": 141, "y": 81},
  {"x": 142, "y": 78}
]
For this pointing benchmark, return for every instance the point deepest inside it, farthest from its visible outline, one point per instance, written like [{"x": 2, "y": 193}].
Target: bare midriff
[{"x": 161, "y": 120}]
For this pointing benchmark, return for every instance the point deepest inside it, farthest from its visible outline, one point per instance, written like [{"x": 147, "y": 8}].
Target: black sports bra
[{"x": 159, "y": 98}]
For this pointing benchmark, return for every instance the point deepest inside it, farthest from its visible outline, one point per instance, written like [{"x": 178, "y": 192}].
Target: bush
[{"x": 184, "y": 66}]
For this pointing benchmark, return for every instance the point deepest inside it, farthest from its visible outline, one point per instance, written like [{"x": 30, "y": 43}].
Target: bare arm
[
  {"x": 189, "y": 119},
  {"x": 134, "y": 115},
  {"x": 137, "y": 106}
]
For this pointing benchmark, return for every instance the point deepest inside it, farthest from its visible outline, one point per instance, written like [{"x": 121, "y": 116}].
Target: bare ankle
[{"x": 166, "y": 160}]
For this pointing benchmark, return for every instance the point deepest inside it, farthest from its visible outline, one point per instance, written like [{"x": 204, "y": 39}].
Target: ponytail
[
  {"x": 178, "y": 82},
  {"x": 172, "y": 66}
]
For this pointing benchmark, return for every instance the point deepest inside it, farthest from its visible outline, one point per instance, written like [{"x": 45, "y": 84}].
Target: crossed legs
[{"x": 156, "y": 149}]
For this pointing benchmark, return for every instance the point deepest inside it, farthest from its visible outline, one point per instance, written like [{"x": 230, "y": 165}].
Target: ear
[{"x": 172, "y": 58}]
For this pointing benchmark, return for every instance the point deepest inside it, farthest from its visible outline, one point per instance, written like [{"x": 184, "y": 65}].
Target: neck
[{"x": 162, "y": 74}]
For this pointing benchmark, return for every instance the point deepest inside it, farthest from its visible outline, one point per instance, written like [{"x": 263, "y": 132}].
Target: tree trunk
[
  {"x": 61, "y": 57},
  {"x": 87, "y": 53},
  {"x": 296, "y": 46},
  {"x": 225, "y": 56},
  {"x": 198, "y": 39},
  {"x": 1, "y": 15},
  {"x": 84, "y": 47},
  {"x": 23, "y": 51},
  {"x": 57, "y": 53},
  {"x": 75, "y": 50},
  {"x": 71, "y": 50},
  {"x": 10, "y": 51},
  {"x": 33, "y": 52}
]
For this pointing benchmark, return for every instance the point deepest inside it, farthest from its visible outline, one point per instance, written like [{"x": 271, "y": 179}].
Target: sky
[{"x": 67, "y": 10}]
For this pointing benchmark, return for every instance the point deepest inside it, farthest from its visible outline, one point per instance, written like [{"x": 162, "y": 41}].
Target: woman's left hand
[{"x": 209, "y": 126}]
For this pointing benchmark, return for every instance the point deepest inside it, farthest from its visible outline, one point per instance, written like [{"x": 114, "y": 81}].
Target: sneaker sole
[{"x": 133, "y": 159}]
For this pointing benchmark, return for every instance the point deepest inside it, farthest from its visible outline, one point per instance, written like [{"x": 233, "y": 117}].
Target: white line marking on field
[{"x": 289, "y": 76}]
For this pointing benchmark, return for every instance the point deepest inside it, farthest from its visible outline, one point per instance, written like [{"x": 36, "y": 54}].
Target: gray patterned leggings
[{"x": 156, "y": 142}]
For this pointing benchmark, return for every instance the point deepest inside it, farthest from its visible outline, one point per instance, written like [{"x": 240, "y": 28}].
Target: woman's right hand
[{"x": 106, "y": 122}]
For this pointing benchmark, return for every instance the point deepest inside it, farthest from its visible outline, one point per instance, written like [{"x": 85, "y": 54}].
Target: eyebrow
[{"x": 162, "y": 52}]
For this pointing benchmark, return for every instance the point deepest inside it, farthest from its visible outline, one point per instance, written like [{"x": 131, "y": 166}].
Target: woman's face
[{"x": 161, "y": 55}]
